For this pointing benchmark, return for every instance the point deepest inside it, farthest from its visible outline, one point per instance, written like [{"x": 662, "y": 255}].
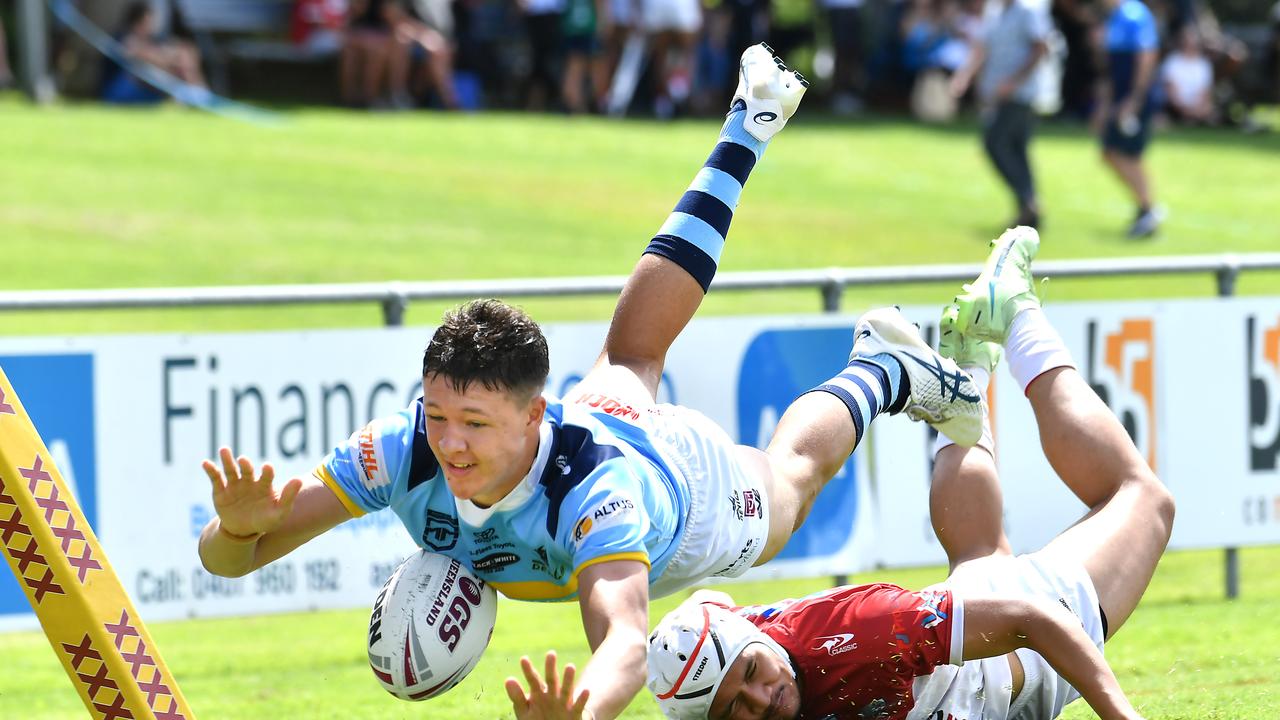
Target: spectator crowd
[{"x": 679, "y": 57}]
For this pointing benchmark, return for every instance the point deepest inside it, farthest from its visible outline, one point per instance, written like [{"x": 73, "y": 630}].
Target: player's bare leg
[
  {"x": 668, "y": 283},
  {"x": 1130, "y": 515},
  {"x": 966, "y": 504},
  {"x": 890, "y": 370}
]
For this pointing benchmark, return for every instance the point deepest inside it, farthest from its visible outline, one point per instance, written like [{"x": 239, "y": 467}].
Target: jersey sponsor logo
[
  {"x": 441, "y": 531},
  {"x": 612, "y": 507},
  {"x": 375, "y": 472},
  {"x": 608, "y": 405},
  {"x": 543, "y": 564},
  {"x": 487, "y": 535},
  {"x": 835, "y": 644},
  {"x": 495, "y": 562},
  {"x": 1121, "y": 367},
  {"x": 581, "y": 529},
  {"x": 1262, "y": 370},
  {"x": 931, "y": 606}
]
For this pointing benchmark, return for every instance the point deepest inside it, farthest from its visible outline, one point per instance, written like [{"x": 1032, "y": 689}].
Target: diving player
[
  {"x": 1004, "y": 636},
  {"x": 604, "y": 497}
]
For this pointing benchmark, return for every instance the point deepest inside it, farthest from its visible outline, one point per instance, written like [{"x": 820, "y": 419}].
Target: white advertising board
[{"x": 129, "y": 419}]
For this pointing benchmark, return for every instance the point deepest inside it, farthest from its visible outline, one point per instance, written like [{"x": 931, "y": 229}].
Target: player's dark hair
[{"x": 491, "y": 343}]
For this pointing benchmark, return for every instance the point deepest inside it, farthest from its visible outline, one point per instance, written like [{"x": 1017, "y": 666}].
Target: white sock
[
  {"x": 1034, "y": 347},
  {"x": 981, "y": 380}
]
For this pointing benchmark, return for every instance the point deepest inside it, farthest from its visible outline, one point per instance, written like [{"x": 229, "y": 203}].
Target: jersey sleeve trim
[
  {"x": 549, "y": 591},
  {"x": 322, "y": 474},
  {"x": 957, "y": 630}
]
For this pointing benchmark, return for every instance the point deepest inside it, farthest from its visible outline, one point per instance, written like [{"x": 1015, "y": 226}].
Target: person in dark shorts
[{"x": 1124, "y": 111}]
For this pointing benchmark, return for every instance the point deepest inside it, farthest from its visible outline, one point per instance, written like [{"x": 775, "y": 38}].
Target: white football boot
[
  {"x": 939, "y": 392},
  {"x": 768, "y": 90}
]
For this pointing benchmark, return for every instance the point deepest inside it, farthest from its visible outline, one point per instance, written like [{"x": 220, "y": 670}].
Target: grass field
[{"x": 108, "y": 198}]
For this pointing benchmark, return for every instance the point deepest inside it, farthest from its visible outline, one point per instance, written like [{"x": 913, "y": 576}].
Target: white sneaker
[
  {"x": 768, "y": 90},
  {"x": 940, "y": 393}
]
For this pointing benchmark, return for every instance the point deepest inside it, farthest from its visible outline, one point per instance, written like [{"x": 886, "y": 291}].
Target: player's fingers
[
  {"x": 288, "y": 494},
  {"x": 553, "y": 677},
  {"x": 580, "y": 706},
  {"x": 268, "y": 473},
  {"x": 246, "y": 468},
  {"x": 515, "y": 691},
  {"x": 535, "y": 682},
  {"x": 229, "y": 468},
  {"x": 215, "y": 475},
  {"x": 566, "y": 691}
]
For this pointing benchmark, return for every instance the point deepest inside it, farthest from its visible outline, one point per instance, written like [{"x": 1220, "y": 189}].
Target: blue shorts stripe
[
  {"x": 733, "y": 159},
  {"x": 686, "y": 255},
  {"x": 707, "y": 208},
  {"x": 718, "y": 183},
  {"x": 694, "y": 230}
]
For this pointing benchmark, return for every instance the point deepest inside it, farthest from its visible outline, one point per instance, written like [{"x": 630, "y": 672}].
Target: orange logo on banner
[
  {"x": 1262, "y": 367},
  {"x": 1271, "y": 347},
  {"x": 1140, "y": 375}
]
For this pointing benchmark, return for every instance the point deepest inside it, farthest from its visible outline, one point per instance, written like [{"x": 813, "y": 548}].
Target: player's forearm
[
  {"x": 224, "y": 555},
  {"x": 1060, "y": 640},
  {"x": 614, "y": 675},
  {"x": 1143, "y": 72}
]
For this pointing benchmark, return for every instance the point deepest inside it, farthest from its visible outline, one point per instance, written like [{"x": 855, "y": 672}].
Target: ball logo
[
  {"x": 1262, "y": 373},
  {"x": 1121, "y": 368},
  {"x": 459, "y": 613}
]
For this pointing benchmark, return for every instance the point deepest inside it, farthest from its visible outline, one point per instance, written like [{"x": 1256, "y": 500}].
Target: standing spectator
[
  {"x": 414, "y": 43},
  {"x": 1187, "y": 76},
  {"x": 672, "y": 26},
  {"x": 1075, "y": 19},
  {"x": 1127, "y": 102},
  {"x": 1011, "y": 44},
  {"x": 584, "y": 64},
  {"x": 542, "y": 21},
  {"x": 137, "y": 36},
  {"x": 847, "y": 84}
]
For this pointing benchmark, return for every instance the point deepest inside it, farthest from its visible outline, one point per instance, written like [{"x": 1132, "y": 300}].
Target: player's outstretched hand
[
  {"x": 554, "y": 699},
  {"x": 246, "y": 503}
]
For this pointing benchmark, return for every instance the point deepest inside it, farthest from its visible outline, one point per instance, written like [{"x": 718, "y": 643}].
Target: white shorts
[
  {"x": 980, "y": 690},
  {"x": 728, "y": 520},
  {"x": 671, "y": 15}
]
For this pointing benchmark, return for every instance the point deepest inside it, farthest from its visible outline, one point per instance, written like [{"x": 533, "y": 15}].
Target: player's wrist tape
[{"x": 238, "y": 538}]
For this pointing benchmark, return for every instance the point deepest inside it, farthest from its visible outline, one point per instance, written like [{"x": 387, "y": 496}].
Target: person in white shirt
[{"x": 1187, "y": 76}]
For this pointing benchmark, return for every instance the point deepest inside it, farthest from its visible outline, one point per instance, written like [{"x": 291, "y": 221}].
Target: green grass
[
  {"x": 97, "y": 197},
  {"x": 1186, "y": 653}
]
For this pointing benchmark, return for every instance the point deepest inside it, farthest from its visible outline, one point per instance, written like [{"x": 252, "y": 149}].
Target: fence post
[
  {"x": 393, "y": 310},
  {"x": 832, "y": 290},
  {"x": 1227, "y": 275}
]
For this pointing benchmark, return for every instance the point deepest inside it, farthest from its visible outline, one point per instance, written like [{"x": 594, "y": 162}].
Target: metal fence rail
[{"x": 394, "y": 297}]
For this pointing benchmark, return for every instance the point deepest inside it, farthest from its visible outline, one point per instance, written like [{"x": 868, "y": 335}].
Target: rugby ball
[{"x": 431, "y": 622}]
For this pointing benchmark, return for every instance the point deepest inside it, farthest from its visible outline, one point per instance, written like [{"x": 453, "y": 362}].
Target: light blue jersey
[{"x": 599, "y": 490}]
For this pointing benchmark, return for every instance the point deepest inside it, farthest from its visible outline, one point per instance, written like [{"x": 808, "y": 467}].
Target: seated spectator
[
  {"x": 137, "y": 36},
  {"x": 1187, "y": 77},
  {"x": 936, "y": 41},
  {"x": 318, "y": 25},
  {"x": 418, "y": 45},
  {"x": 366, "y": 50}
]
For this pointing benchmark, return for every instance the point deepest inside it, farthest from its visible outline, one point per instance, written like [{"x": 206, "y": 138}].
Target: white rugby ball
[{"x": 430, "y": 625}]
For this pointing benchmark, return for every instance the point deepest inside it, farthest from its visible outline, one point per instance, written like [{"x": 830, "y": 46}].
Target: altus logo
[
  {"x": 1121, "y": 368},
  {"x": 1262, "y": 371}
]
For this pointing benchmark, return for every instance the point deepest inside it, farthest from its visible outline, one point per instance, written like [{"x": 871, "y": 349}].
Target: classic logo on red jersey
[{"x": 836, "y": 644}]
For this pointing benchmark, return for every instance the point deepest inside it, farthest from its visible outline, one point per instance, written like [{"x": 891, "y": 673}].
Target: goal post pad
[{"x": 93, "y": 627}]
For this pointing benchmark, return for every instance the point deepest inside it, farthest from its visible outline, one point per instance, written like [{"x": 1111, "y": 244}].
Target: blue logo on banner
[
  {"x": 777, "y": 366},
  {"x": 57, "y": 392}
]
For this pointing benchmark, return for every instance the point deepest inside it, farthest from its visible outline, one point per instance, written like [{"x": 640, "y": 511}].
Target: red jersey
[{"x": 858, "y": 650}]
